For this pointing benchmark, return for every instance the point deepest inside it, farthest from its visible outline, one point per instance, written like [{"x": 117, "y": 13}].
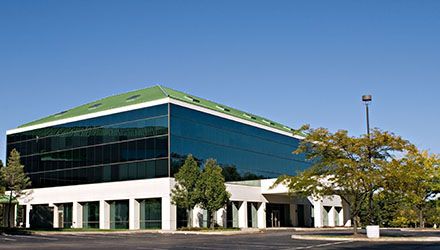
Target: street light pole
[{"x": 367, "y": 99}]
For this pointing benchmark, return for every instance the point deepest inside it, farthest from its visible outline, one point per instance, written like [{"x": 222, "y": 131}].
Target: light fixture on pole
[{"x": 367, "y": 99}]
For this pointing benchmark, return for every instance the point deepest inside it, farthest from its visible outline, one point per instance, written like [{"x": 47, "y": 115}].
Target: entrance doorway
[
  {"x": 300, "y": 215},
  {"x": 275, "y": 218},
  {"x": 278, "y": 215}
]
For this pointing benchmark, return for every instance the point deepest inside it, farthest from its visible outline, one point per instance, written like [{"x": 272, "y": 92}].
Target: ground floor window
[
  {"x": 232, "y": 214},
  {"x": 90, "y": 214},
  {"x": 325, "y": 215},
  {"x": 119, "y": 214},
  {"x": 41, "y": 216},
  {"x": 337, "y": 213},
  {"x": 252, "y": 208},
  {"x": 65, "y": 215},
  {"x": 182, "y": 217},
  {"x": 150, "y": 213}
]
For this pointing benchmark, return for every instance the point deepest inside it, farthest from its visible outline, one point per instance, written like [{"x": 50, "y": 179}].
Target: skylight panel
[
  {"x": 191, "y": 98},
  {"x": 132, "y": 98},
  {"x": 222, "y": 108},
  {"x": 94, "y": 106},
  {"x": 247, "y": 116},
  {"x": 60, "y": 113}
]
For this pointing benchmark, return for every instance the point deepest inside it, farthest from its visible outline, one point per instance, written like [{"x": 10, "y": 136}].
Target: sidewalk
[{"x": 381, "y": 239}]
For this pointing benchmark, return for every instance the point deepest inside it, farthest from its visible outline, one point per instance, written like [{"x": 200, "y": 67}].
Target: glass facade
[
  {"x": 124, "y": 146},
  {"x": 245, "y": 152},
  {"x": 150, "y": 213},
  {"x": 65, "y": 215},
  {"x": 119, "y": 214},
  {"x": 90, "y": 214},
  {"x": 134, "y": 145}
]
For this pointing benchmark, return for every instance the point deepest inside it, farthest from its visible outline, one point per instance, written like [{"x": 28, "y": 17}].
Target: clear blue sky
[{"x": 295, "y": 62}]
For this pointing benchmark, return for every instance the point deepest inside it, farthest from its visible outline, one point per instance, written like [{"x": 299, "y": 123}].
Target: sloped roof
[{"x": 151, "y": 94}]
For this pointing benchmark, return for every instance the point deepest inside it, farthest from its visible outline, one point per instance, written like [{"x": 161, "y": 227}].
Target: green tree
[
  {"x": 184, "y": 193},
  {"x": 415, "y": 179},
  {"x": 2, "y": 183},
  {"x": 433, "y": 213},
  {"x": 15, "y": 179},
  {"x": 343, "y": 165},
  {"x": 212, "y": 190}
]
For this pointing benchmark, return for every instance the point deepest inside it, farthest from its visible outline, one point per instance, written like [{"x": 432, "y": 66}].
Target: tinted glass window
[
  {"x": 245, "y": 152},
  {"x": 110, "y": 148}
]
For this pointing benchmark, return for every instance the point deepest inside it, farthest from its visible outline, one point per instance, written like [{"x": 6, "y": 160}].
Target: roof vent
[
  {"x": 247, "y": 116},
  {"x": 60, "y": 113},
  {"x": 191, "y": 98},
  {"x": 94, "y": 106},
  {"x": 132, "y": 98},
  {"x": 222, "y": 108}
]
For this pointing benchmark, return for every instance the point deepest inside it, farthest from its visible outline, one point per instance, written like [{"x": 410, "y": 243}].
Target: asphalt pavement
[{"x": 279, "y": 239}]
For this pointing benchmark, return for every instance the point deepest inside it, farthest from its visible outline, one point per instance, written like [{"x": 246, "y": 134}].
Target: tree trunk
[
  {"x": 421, "y": 219},
  {"x": 211, "y": 219},
  {"x": 188, "y": 218},
  {"x": 355, "y": 226},
  {"x": 8, "y": 216},
  {"x": 371, "y": 219}
]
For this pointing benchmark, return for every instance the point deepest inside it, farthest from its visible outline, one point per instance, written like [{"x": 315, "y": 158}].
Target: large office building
[{"x": 110, "y": 164}]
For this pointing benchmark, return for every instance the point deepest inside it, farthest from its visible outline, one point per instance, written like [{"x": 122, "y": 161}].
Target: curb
[
  {"x": 314, "y": 229},
  {"x": 383, "y": 239},
  {"x": 238, "y": 232},
  {"x": 212, "y": 233}
]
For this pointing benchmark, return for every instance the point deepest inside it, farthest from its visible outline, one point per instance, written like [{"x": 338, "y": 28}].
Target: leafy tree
[
  {"x": 415, "y": 179},
  {"x": 184, "y": 193},
  {"x": 2, "y": 184},
  {"x": 343, "y": 165},
  {"x": 433, "y": 213},
  {"x": 15, "y": 179},
  {"x": 212, "y": 190}
]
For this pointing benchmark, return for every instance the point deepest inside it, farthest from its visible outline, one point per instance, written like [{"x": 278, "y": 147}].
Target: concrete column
[
  {"x": 169, "y": 214},
  {"x": 293, "y": 216},
  {"x": 346, "y": 214},
  {"x": 15, "y": 215},
  {"x": 221, "y": 217},
  {"x": 56, "y": 221},
  {"x": 197, "y": 217},
  {"x": 104, "y": 215},
  {"x": 317, "y": 212},
  {"x": 261, "y": 214},
  {"x": 341, "y": 217},
  {"x": 28, "y": 216},
  {"x": 331, "y": 217},
  {"x": 242, "y": 215},
  {"x": 133, "y": 214},
  {"x": 77, "y": 215}
]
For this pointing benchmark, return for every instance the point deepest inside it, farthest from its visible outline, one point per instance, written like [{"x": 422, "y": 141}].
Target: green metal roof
[{"x": 151, "y": 94}]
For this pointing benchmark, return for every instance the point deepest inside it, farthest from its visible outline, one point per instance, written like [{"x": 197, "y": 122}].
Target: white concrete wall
[
  {"x": 122, "y": 190},
  {"x": 161, "y": 188}
]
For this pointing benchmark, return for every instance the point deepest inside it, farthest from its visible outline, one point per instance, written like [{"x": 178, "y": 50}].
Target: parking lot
[{"x": 265, "y": 240}]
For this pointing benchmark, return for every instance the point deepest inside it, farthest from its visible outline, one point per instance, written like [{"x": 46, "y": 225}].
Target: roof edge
[{"x": 89, "y": 116}]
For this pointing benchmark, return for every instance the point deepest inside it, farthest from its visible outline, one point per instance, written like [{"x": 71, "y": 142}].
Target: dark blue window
[
  {"x": 245, "y": 152},
  {"x": 123, "y": 146}
]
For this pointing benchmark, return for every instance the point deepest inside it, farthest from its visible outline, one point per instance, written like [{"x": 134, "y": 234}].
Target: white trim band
[{"x": 88, "y": 116}]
